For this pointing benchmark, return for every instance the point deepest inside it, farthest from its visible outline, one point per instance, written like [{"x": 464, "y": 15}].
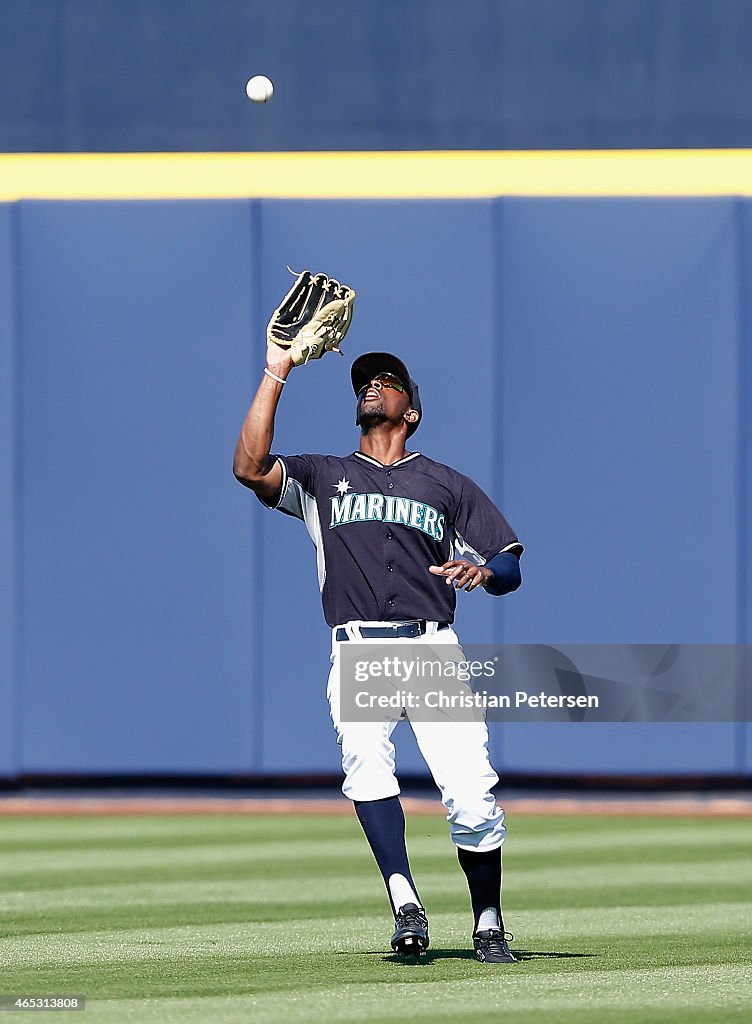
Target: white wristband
[{"x": 279, "y": 380}]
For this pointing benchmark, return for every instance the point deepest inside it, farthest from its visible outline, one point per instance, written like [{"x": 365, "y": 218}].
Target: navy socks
[
  {"x": 383, "y": 822},
  {"x": 483, "y": 873}
]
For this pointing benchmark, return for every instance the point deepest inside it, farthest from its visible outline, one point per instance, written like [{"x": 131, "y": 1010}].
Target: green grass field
[{"x": 270, "y": 919}]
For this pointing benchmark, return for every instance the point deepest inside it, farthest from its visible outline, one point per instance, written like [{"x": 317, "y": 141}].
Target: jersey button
[
  {"x": 390, "y": 603},
  {"x": 389, "y": 472},
  {"x": 390, "y": 568},
  {"x": 391, "y": 486},
  {"x": 389, "y": 536}
]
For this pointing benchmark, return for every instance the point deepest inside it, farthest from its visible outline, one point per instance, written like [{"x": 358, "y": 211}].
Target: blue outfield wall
[
  {"x": 397, "y": 255},
  {"x": 583, "y": 360},
  {"x": 619, "y": 318},
  {"x": 139, "y": 581}
]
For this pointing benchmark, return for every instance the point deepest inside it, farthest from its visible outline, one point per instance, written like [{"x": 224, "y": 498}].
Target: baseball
[{"x": 259, "y": 89}]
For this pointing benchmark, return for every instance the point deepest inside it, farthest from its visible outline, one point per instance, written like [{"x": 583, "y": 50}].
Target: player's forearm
[{"x": 251, "y": 462}]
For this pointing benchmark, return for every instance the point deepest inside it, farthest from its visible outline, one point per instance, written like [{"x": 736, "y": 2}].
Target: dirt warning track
[{"x": 619, "y": 806}]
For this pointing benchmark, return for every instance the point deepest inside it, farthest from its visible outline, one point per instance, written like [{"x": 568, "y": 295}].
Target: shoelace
[
  {"x": 497, "y": 940},
  {"x": 414, "y": 917}
]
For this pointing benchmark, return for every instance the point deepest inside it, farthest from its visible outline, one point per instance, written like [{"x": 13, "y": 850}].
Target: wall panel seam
[
  {"x": 257, "y": 524},
  {"x": 18, "y": 625}
]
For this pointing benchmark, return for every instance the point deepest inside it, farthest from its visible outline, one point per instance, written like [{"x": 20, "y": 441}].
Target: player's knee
[
  {"x": 484, "y": 839},
  {"x": 369, "y": 773},
  {"x": 360, "y": 786},
  {"x": 476, "y": 821},
  {"x": 370, "y": 792},
  {"x": 477, "y": 827}
]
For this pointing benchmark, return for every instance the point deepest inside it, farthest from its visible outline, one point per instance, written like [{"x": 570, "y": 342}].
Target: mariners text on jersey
[
  {"x": 377, "y": 528},
  {"x": 354, "y": 508}
]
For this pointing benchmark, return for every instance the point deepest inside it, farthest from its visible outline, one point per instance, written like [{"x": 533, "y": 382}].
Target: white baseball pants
[{"x": 456, "y": 754}]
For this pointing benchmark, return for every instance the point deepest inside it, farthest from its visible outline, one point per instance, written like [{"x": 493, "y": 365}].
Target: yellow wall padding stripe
[{"x": 457, "y": 174}]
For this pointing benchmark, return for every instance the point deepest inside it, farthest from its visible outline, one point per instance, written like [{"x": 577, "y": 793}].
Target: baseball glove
[{"x": 313, "y": 317}]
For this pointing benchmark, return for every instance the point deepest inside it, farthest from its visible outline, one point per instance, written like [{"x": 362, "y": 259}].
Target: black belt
[{"x": 406, "y": 629}]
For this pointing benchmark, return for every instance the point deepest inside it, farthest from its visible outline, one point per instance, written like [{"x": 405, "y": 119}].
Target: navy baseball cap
[{"x": 367, "y": 366}]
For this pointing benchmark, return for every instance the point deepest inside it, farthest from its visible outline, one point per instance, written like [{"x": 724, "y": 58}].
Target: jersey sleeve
[
  {"x": 480, "y": 530},
  {"x": 297, "y": 489}
]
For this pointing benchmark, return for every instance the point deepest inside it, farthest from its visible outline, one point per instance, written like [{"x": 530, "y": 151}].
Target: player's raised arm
[
  {"x": 252, "y": 464},
  {"x": 311, "y": 320}
]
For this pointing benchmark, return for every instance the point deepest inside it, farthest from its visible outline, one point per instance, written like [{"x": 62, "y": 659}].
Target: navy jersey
[{"x": 378, "y": 528}]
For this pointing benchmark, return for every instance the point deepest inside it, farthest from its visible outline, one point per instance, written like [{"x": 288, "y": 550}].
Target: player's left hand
[
  {"x": 312, "y": 319},
  {"x": 463, "y": 574}
]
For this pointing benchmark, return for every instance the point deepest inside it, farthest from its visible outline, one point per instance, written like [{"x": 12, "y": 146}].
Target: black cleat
[
  {"x": 492, "y": 947},
  {"x": 411, "y": 931}
]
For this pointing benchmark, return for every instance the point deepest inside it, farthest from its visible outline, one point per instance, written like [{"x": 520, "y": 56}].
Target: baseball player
[{"x": 387, "y": 525}]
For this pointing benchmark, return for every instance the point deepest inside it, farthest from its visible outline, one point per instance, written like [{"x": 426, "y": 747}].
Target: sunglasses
[{"x": 387, "y": 380}]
